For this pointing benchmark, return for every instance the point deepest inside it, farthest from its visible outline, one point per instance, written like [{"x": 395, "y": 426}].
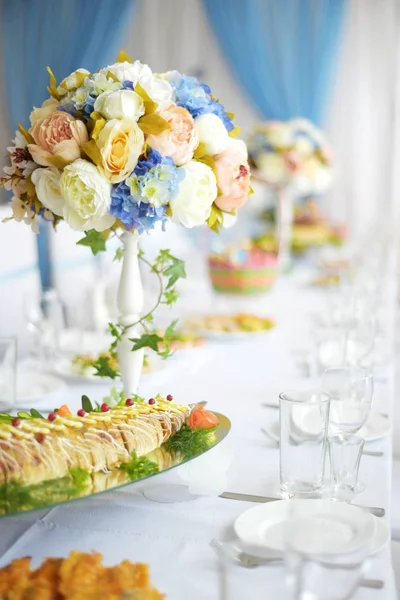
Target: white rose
[
  {"x": 125, "y": 71},
  {"x": 120, "y": 104},
  {"x": 73, "y": 81},
  {"x": 197, "y": 192},
  {"x": 212, "y": 133},
  {"x": 273, "y": 168},
  {"x": 87, "y": 197},
  {"x": 303, "y": 146},
  {"x": 47, "y": 185},
  {"x": 48, "y": 107},
  {"x": 279, "y": 135},
  {"x": 159, "y": 90}
]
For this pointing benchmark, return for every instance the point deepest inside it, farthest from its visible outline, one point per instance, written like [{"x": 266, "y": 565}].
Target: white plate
[
  {"x": 32, "y": 387},
  {"x": 64, "y": 368},
  {"x": 76, "y": 341},
  {"x": 376, "y": 427},
  {"x": 263, "y": 525},
  {"x": 229, "y": 336}
]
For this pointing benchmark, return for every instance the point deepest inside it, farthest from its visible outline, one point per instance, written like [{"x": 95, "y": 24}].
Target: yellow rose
[{"x": 120, "y": 144}]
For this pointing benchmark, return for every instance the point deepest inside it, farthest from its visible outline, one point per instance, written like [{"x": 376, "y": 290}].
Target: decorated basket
[{"x": 253, "y": 273}]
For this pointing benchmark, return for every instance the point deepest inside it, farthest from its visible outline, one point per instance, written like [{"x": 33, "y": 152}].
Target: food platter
[{"x": 17, "y": 499}]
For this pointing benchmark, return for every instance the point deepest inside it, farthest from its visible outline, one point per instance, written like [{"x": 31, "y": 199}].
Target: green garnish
[
  {"x": 189, "y": 442},
  {"x": 139, "y": 467},
  {"x": 14, "y": 496},
  {"x": 36, "y": 414},
  {"x": 86, "y": 404}
]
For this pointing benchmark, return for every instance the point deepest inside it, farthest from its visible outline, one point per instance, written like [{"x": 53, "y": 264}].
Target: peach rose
[
  {"x": 181, "y": 140},
  {"x": 58, "y": 136},
  {"x": 233, "y": 176}
]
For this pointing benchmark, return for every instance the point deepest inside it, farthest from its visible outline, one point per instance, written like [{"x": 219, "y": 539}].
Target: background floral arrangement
[
  {"x": 292, "y": 154},
  {"x": 123, "y": 149}
]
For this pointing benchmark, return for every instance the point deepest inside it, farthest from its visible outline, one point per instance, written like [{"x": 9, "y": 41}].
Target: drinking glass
[
  {"x": 345, "y": 455},
  {"x": 45, "y": 320},
  {"x": 8, "y": 373},
  {"x": 240, "y": 576},
  {"x": 350, "y": 390},
  {"x": 325, "y": 555},
  {"x": 304, "y": 420}
]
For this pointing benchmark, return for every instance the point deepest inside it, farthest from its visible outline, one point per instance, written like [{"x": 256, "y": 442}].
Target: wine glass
[{"x": 350, "y": 389}]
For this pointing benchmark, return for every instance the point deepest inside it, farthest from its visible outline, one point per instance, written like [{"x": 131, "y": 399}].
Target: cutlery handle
[
  {"x": 375, "y": 584},
  {"x": 372, "y": 453},
  {"x": 375, "y": 510}
]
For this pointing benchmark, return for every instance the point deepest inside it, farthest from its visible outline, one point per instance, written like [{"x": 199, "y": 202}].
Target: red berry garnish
[
  {"x": 129, "y": 402},
  {"x": 81, "y": 412},
  {"x": 104, "y": 407},
  {"x": 52, "y": 416},
  {"x": 152, "y": 401},
  {"x": 170, "y": 397},
  {"x": 15, "y": 422}
]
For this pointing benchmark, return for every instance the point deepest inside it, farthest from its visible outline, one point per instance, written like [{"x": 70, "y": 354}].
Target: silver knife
[{"x": 375, "y": 510}]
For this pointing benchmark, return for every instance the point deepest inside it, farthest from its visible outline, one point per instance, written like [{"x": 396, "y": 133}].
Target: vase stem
[
  {"x": 130, "y": 306},
  {"x": 285, "y": 225}
]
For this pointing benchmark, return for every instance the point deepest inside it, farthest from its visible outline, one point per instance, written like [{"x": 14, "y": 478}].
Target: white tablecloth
[{"x": 174, "y": 538}]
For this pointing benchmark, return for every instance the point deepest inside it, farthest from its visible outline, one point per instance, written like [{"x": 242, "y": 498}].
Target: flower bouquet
[
  {"x": 116, "y": 152},
  {"x": 294, "y": 159}
]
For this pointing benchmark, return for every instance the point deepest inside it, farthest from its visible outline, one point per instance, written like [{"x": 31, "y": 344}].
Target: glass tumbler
[
  {"x": 8, "y": 373},
  {"x": 304, "y": 420},
  {"x": 325, "y": 555},
  {"x": 345, "y": 454}
]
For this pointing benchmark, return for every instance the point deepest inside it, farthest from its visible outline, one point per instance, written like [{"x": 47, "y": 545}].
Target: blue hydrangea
[
  {"x": 143, "y": 198},
  {"x": 196, "y": 98}
]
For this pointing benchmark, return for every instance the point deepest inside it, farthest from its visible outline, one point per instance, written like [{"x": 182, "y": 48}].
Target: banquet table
[{"x": 235, "y": 378}]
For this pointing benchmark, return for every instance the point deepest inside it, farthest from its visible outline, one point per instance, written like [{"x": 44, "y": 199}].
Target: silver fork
[{"x": 249, "y": 561}]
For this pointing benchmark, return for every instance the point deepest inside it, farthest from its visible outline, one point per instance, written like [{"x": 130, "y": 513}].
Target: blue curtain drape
[
  {"x": 282, "y": 51},
  {"x": 66, "y": 35}
]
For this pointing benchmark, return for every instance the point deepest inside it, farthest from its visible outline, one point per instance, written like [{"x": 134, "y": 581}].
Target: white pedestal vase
[
  {"x": 285, "y": 223},
  {"x": 130, "y": 306}
]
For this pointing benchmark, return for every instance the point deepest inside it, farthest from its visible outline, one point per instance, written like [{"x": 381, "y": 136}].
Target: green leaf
[
  {"x": 147, "y": 340},
  {"x": 175, "y": 271},
  {"x": 95, "y": 240},
  {"x": 123, "y": 57},
  {"x": 149, "y": 105},
  {"x": 216, "y": 218},
  {"x": 104, "y": 369},
  {"x": 26, "y": 134},
  {"x": 169, "y": 335},
  {"x": 52, "y": 88},
  {"x": 86, "y": 404},
  {"x": 171, "y": 296},
  {"x": 92, "y": 151},
  {"x": 96, "y": 124},
  {"x": 119, "y": 253},
  {"x": 235, "y": 132},
  {"x": 115, "y": 330},
  {"x": 58, "y": 162},
  {"x": 110, "y": 75},
  {"x": 35, "y": 414},
  {"x": 23, "y": 415},
  {"x": 149, "y": 318},
  {"x": 210, "y": 162},
  {"x": 153, "y": 124}
]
